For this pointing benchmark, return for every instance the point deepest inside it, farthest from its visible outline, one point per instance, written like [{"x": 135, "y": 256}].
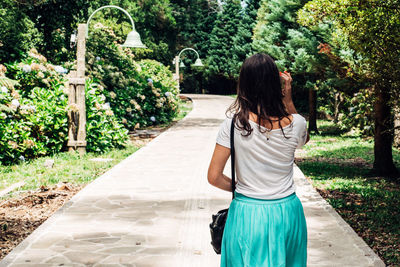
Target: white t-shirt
[{"x": 264, "y": 168}]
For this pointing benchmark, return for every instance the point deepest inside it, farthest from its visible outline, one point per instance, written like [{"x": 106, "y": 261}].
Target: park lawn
[
  {"x": 71, "y": 167},
  {"x": 339, "y": 167},
  {"x": 68, "y": 167}
]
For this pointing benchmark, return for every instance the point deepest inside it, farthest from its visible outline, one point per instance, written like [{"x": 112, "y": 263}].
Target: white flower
[
  {"x": 152, "y": 118},
  {"x": 167, "y": 94},
  {"x": 112, "y": 95},
  {"x": 60, "y": 69},
  {"x": 26, "y": 68},
  {"x": 40, "y": 74},
  {"x": 4, "y": 89},
  {"x": 102, "y": 97},
  {"x": 106, "y": 106},
  {"x": 15, "y": 102},
  {"x": 22, "y": 158},
  {"x": 98, "y": 58}
]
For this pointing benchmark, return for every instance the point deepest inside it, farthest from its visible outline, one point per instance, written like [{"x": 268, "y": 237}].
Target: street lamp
[
  {"x": 76, "y": 94},
  {"x": 197, "y": 63}
]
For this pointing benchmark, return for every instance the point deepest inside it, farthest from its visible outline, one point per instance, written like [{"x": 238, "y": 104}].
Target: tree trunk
[
  {"x": 312, "y": 115},
  {"x": 383, "y": 162}
]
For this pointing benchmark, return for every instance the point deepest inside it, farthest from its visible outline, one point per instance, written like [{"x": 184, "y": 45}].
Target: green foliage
[
  {"x": 104, "y": 131},
  {"x": 222, "y": 39},
  {"x": 17, "y": 32},
  {"x": 361, "y": 115},
  {"x": 34, "y": 72},
  {"x": 294, "y": 47},
  {"x": 242, "y": 41},
  {"x": 140, "y": 93},
  {"x": 371, "y": 28},
  {"x": 56, "y": 20},
  {"x": 154, "y": 21},
  {"x": 195, "y": 20},
  {"x": 33, "y": 113},
  {"x": 48, "y": 26}
]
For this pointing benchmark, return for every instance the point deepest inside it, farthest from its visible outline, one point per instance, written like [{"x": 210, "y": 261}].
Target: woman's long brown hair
[{"x": 258, "y": 91}]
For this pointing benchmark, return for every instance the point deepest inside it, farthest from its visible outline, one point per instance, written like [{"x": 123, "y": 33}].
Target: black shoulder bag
[{"x": 218, "y": 220}]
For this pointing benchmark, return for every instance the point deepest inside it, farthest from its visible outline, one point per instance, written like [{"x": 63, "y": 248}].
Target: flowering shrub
[
  {"x": 140, "y": 93},
  {"x": 33, "y": 118},
  {"x": 35, "y": 71},
  {"x": 104, "y": 131}
]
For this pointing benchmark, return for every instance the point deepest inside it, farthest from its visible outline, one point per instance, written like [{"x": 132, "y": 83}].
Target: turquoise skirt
[{"x": 265, "y": 233}]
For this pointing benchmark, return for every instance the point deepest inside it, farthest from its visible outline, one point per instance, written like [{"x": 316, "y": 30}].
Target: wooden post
[{"x": 76, "y": 98}]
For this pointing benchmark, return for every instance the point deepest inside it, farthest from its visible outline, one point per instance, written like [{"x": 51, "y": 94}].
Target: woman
[{"x": 266, "y": 224}]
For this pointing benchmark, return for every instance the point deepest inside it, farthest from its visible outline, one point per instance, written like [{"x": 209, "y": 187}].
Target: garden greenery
[
  {"x": 33, "y": 112},
  {"x": 140, "y": 93}
]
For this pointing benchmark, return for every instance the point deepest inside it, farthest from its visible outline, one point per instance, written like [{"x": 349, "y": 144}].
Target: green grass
[
  {"x": 68, "y": 167},
  {"x": 184, "y": 108},
  {"x": 340, "y": 167}
]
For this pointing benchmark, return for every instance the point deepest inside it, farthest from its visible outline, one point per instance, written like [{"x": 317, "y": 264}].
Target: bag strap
[{"x": 232, "y": 139}]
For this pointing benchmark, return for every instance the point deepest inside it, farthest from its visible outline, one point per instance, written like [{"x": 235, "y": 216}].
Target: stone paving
[{"x": 153, "y": 209}]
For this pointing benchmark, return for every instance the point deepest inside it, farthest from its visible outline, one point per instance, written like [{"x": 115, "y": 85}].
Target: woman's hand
[{"x": 286, "y": 80}]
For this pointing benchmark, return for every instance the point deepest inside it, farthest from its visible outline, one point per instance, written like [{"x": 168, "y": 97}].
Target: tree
[
  {"x": 56, "y": 20},
  {"x": 242, "y": 42},
  {"x": 220, "y": 63},
  {"x": 17, "y": 32},
  {"x": 195, "y": 21},
  {"x": 294, "y": 47},
  {"x": 372, "y": 29}
]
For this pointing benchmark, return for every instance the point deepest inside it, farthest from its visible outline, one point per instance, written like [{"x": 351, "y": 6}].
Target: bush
[
  {"x": 33, "y": 113},
  {"x": 140, "y": 93},
  {"x": 103, "y": 129},
  {"x": 361, "y": 113}
]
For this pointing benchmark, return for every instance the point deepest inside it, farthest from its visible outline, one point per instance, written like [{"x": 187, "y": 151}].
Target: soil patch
[{"x": 22, "y": 214}]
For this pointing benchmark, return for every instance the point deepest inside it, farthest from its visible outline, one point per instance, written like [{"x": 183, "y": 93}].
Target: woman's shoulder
[
  {"x": 298, "y": 118},
  {"x": 299, "y": 122}
]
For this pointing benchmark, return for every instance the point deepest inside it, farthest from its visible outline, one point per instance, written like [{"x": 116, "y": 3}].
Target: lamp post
[
  {"x": 197, "y": 63},
  {"x": 76, "y": 94}
]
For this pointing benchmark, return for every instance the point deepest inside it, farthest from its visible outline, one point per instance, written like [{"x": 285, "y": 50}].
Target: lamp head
[
  {"x": 133, "y": 40},
  {"x": 182, "y": 65},
  {"x": 198, "y": 63}
]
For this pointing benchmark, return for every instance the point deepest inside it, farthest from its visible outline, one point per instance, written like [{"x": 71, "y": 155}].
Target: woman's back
[
  {"x": 265, "y": 225},
  {"x": 264, "y": 159}
]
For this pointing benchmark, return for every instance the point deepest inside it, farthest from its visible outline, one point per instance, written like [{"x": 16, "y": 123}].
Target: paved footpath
[{"x": 153, "y": 209}]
